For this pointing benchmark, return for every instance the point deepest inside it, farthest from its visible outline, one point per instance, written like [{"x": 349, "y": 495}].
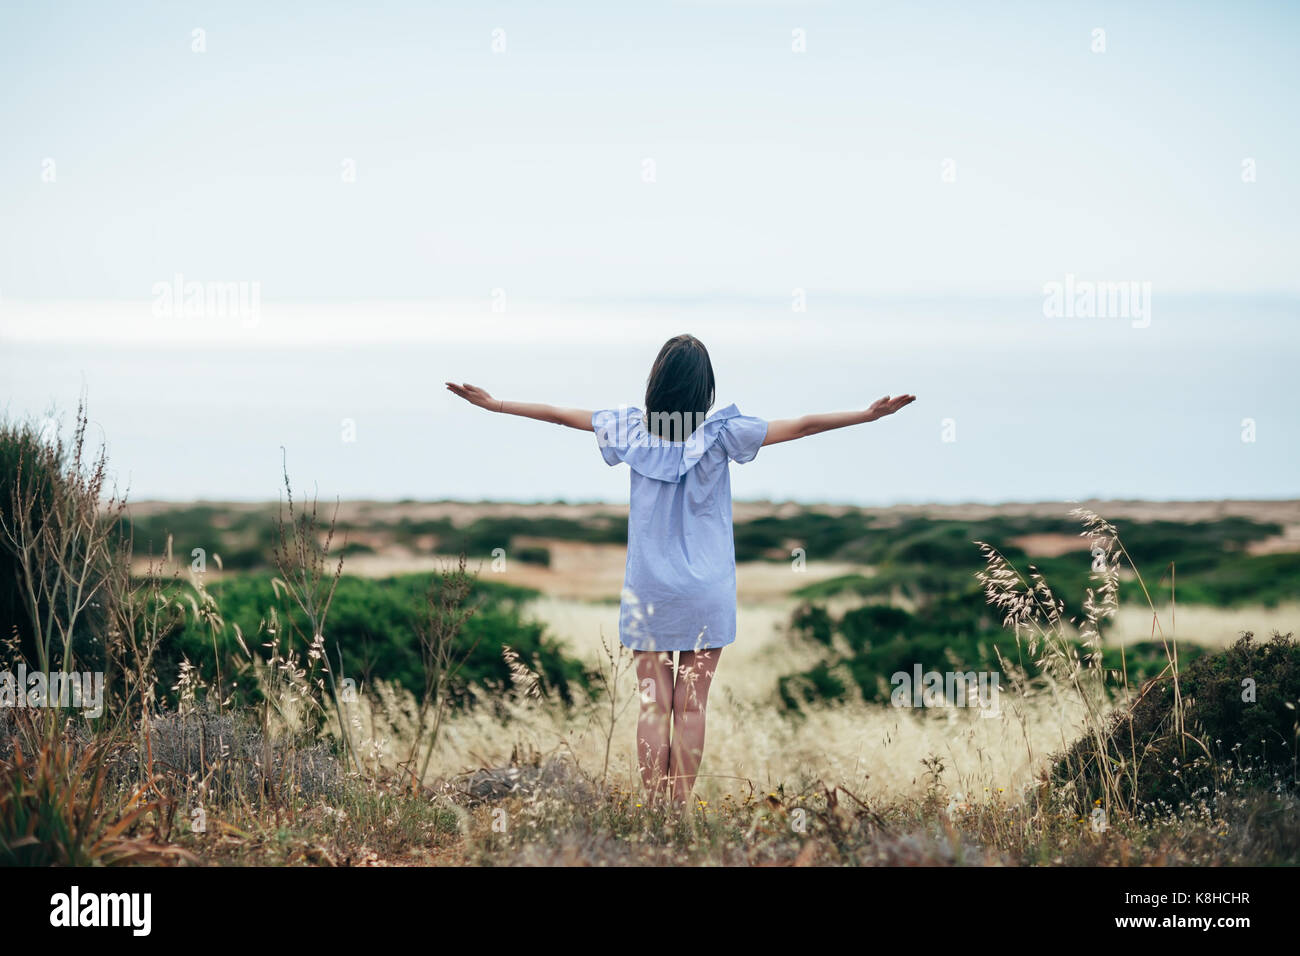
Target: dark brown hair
[{"x": 679, "y": 391}]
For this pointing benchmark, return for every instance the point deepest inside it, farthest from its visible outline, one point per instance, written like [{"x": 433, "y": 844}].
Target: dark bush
[
  {"x": 952, "y": 633},
  {"x": 51, "y": 496},
  {"x": 812, "y": 686},
  {"x": 372, "y": 624},
  {"x": 538, "y": 556},
  {"x": 874, "y": 623},
  {"x": 813, "y": 622},
  {"x": 1250, "y": 740},
  {"x": 20, "y": 449}
]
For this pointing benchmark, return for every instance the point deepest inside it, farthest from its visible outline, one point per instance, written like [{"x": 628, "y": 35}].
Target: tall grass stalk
[
  {"x": 447, "y": 609},
  {"x": 302, "y": 555},
  {"x": 1036, "y": 616}
]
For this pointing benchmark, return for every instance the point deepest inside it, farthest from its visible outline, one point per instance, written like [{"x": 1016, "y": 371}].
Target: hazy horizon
[{"x": 1013, "y": 405}]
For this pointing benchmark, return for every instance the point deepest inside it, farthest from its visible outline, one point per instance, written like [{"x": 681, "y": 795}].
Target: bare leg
[
  {"x": 695, "y": 671},
  {"x": 654, "y": 675}
]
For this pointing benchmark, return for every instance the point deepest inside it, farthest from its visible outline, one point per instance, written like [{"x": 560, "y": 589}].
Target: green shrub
[
  {"x": 371, "y": 623},
  {"x": 20, "y": 448},
  {"x": 815, "y": 685},
  {"x": 814, "y": 623},
  {"x": 952, "y": 633},
  {"x": 58, "y": 545},
  {"x": 538, "y": 556},
  {"x": 1226, "y": 734}
]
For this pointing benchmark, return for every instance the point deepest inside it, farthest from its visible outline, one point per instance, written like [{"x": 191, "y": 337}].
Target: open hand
[
  {"x": 473, "y": 394},
  {"x": 887, "y": 406}
]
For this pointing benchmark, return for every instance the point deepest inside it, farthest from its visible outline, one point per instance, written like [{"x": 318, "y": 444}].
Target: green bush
[
  {"x": 538, "y": 556},
  {"x": 371, "y": 623},
  {"x": 51, "y": 495},
  {"x": 953, "y": 633},
  {"x": 1251, "y": 740},
  {"x": 20, "y": 448}
]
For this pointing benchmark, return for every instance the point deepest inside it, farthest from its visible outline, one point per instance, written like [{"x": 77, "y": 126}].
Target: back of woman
[{"x": 679, "y": 588}]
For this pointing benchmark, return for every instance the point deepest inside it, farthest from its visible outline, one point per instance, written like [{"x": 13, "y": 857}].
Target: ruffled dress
[{"x": 679, "y": 589}]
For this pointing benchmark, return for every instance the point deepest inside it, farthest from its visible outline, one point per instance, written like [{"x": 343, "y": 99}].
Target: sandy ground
[
  {"x": 1285, "y": 512},
  {"x": 594, "y": 572}
]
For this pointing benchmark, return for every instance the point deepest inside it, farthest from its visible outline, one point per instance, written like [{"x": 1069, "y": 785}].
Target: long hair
[{"x": 679, "y": 391}]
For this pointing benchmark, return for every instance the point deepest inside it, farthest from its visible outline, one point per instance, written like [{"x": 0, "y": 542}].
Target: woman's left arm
[
  {"x": 788, "y": 429},
  {"x": 572, "y": 417}
]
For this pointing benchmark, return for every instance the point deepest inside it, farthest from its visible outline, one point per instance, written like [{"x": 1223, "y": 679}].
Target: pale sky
[{"x": 523, "y": 170}]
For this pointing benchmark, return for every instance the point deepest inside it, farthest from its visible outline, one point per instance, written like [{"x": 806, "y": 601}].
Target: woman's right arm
[
  {"x": 572, "y": 417},
  {"x": 788, "y": 429}
]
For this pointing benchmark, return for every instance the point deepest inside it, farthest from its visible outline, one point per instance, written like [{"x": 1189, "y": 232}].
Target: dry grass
[{"x": 752, "y": 746}]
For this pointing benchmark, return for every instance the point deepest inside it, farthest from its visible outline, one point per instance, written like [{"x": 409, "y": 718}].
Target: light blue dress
[{"x": 679, "y": 590}]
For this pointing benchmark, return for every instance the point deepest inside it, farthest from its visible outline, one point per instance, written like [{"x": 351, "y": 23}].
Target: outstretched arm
[
  {"x": 572, "y": 417},
  {"x": 788, "y": 429}
]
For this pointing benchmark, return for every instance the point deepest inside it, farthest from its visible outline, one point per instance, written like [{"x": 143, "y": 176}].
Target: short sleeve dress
[{"x": 679, "y": 589}]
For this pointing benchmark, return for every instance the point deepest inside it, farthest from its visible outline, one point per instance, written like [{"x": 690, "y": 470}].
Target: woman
[{"x": 679, "y": 589}]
